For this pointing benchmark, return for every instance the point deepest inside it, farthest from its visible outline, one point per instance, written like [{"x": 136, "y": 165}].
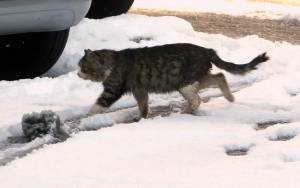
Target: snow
[
  {"x": 231, "y": 7},
  {"x": 178, "y": 151},
  {"x": 175, "y": 151}
]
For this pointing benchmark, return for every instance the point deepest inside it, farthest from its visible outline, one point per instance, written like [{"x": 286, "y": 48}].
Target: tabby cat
[{"x": 159, "y": 69}]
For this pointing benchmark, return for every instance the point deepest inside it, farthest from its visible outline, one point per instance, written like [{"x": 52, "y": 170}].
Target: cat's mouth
[
  {"x": 87, "y": 76},
  {"x": 82, "y": 75}
]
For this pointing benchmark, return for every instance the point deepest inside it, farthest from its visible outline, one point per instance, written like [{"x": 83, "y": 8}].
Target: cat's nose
[{"x": 80, "y": 63}]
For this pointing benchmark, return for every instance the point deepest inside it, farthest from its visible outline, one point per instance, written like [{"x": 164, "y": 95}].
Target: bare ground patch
[{"x": 235, "y": 26}]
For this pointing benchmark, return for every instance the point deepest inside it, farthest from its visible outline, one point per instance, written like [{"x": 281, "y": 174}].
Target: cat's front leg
[{"x": 112, "y": 92}]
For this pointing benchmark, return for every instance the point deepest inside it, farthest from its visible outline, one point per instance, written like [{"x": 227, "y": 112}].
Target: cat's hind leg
[
  {"x": 220, "y": 81},
  {"x": 141, "y": 97},
  {"x": 190, "y": 93}
]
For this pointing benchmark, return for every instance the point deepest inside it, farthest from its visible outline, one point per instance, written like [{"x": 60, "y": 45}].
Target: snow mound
[{"x": 117, "y": 33}]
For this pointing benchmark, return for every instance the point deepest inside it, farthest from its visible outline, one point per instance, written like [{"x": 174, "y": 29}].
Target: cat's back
[
  {"x": 176, "y": 48},
  {"x": 163, "y": 68},
  {"x": 178, "y": 52}
]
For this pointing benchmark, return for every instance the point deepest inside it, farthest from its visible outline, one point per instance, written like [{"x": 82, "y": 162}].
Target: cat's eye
[{"x": 84, "y": 69}]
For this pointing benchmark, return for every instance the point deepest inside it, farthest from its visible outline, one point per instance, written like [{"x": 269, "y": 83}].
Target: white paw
[
  {"x": 96, "y": 109},
  {"x": 205, "y": 99}
]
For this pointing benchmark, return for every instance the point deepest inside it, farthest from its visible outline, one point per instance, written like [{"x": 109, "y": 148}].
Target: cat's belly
[{"x": 159, "y": 83}]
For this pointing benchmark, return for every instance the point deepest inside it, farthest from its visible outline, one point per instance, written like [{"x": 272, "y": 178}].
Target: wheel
[
  {"x": 106, "y": 8},
  {"x": 30, "y": 55}
]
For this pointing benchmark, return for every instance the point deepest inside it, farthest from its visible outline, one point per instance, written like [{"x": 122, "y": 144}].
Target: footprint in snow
[
  {"x": 140, "y": 39},
  {"x": 264, "y": 125},
  {"x": 284, "y": 134},
  {"x": 238, "y": 150}
]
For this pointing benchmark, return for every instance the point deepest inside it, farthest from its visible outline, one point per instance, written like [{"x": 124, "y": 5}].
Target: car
[{"x": 33, "y": 33}]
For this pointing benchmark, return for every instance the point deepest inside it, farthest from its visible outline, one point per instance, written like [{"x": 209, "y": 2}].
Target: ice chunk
[{"x": 40, "y": 124}]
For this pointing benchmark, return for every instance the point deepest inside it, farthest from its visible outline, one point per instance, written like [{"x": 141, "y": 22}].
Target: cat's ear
[{"x": 88, "y": 51}]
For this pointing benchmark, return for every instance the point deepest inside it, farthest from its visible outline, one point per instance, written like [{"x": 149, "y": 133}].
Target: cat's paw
[
  {"x": 187, "y": 110},
  {"x": 205, "y": 99},
  {"x": 145, "y": 113},
  {"x": 96, "y": 109},
  {"x": 230, "y": 98}
]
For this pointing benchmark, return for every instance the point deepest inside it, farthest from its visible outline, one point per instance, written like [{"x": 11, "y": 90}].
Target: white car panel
[{"x": 22, "y": 16}]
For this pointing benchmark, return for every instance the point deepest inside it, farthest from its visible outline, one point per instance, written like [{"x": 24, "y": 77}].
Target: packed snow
[
  {"x": 231, "y": 7},
  {"x": 175, "y": 151}
]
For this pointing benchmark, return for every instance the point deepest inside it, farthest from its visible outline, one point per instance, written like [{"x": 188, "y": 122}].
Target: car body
[
  {"x": 33, "y": 33},
  {"x": 23, "y": 16}
]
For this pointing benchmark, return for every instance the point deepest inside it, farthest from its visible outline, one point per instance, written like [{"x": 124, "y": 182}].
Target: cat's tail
[{"x": 236, "y": 68}]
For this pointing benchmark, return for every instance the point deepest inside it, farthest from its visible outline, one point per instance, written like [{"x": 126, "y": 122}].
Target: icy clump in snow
[
  {"x": 39, "y": 124},
  {"x": 36, "y": 125}
]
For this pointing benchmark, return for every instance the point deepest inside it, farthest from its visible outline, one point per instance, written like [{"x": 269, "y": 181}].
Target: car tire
[
  {"x": 106, "y": 8},
  {"x": 30, "y": 55}
]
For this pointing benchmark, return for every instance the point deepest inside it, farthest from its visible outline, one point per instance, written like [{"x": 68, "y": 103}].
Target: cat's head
[{"x": 96, "y": 65}]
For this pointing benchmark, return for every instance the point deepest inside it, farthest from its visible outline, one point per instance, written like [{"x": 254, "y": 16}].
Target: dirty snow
[
  {"x": 231, "y": 7},
  {"x": 176, "y": 151}
]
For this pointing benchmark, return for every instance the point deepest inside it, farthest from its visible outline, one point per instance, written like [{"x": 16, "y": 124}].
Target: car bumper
[{"x": 23, "y": 16}]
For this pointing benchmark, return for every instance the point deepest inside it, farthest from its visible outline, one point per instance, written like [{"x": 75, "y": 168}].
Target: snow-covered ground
[
  {"x": 231, "y": 7},
  {"x": 176, "y": 151}
]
